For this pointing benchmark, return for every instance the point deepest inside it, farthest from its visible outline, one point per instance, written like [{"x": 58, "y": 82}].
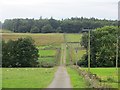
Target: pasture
[
  {"x": 48, "y": 58},
  {"x": 40, "y": 39},
  {"x": 49, "y": 53},
  {"x": 73, "y": 37},
  {"x": 27, "y": 77}
]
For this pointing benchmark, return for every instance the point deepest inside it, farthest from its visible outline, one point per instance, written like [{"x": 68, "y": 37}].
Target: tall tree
[{"x": 103, "y": 47}]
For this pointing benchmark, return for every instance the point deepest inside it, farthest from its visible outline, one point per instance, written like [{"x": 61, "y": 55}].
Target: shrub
[{"x": 19, "y": 53}]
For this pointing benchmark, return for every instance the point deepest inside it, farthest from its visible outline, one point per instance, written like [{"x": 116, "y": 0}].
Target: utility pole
[
  {"x": 76, "y": 55},
  {"x": 89, "y": 51},
  {"x": 117, "y": 53}
]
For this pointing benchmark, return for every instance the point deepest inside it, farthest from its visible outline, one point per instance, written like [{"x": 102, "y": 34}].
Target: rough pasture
[{"x": 40, "y": 39}]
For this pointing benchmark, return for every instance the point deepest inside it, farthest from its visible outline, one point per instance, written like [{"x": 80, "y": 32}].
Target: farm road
[{"x": 61, "y": 79}]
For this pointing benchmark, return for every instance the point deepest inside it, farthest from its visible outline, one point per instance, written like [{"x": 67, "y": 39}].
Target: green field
[
  {"x": 48, "y": 57},
  {"x": 44, "y": 53},
  {"x": 108, "y": 75},
  {"x": 47, "y": 60},
  {"x": 73, "y": 37},
  {"x": 27, "y": 77}
]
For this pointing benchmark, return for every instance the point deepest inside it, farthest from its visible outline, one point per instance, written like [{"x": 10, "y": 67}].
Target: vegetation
[
  {"x": 49, "y": 57},
  {"x": 27, "y": 77},
  {"x": 106, "y": 75},
  {"x": 40, "y": 39},
  {"x": 73, "y": 37},
  {"x": 77, "y": 81},
  {"x": 47, "y": 53},
  {"x": 5, "y": 31},
  {"x": 20, "y": 53},
  {"x": 34, "y": 29},
  {"x": 103, "y": 47},
  {"x": 103, "y": 54},
  {"x": 72, "y": 25}
]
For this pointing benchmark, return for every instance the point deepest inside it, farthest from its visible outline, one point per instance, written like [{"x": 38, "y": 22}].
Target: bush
[{"x": 20, "y": 53}]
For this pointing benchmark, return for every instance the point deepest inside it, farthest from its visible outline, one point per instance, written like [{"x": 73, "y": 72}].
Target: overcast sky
[{"x": 58, "y": 9}]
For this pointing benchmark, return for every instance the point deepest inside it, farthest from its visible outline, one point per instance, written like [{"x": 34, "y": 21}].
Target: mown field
[{"x": 27, "y": 77}]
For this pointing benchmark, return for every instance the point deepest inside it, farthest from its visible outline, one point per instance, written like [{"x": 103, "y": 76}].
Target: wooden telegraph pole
[
  {"x": 89, "y": 51},
  {"x": 117, "y": 53},
  {"x": 88, "y": 30},
  {"x": 117, "y": 36}
]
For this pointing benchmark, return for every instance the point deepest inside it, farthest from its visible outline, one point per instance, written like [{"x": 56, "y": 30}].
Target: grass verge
[{"x": 77, "y": 81}]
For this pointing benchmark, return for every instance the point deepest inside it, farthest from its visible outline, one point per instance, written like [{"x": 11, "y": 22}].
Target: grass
[
  {"x": 47, "y": 57},
  {"x": 54, "y": 39},
  {"x": 27, "y": 77},
  {"x": 48, "y": 47},
  {"x": 0, "y": 78},
  {"x": 40, "y": 39},
  {"x": 73, "y": 37},
  {"x": 79, "y": 54},
  {"x": 47, "y": 60},
  {"x": 76, "y": 80},
  {"x": 75, "y": 56},
  {"x": 67, "y": 57},
  {"x": 47, "y": 53},
  {"x": 5, "y": 31},
  {"x": 108, "y": 75}
]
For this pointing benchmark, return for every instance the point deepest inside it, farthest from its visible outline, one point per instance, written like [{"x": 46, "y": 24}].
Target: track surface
[{"x": 61, "y": 79}]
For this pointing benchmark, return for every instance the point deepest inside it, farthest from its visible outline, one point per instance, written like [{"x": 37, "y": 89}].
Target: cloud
[{"x": 58, "y": 8}]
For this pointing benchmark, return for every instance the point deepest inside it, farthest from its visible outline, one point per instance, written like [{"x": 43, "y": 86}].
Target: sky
[{"x": 58, "y": 9}]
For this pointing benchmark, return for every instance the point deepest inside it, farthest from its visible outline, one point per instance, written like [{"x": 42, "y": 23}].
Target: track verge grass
[{"x": 77, "y": 81}]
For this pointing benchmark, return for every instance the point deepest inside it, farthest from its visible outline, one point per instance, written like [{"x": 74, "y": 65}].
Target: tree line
[
  {"x": 102, "y": 47},
  {"x": 70, "y": 25}
]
